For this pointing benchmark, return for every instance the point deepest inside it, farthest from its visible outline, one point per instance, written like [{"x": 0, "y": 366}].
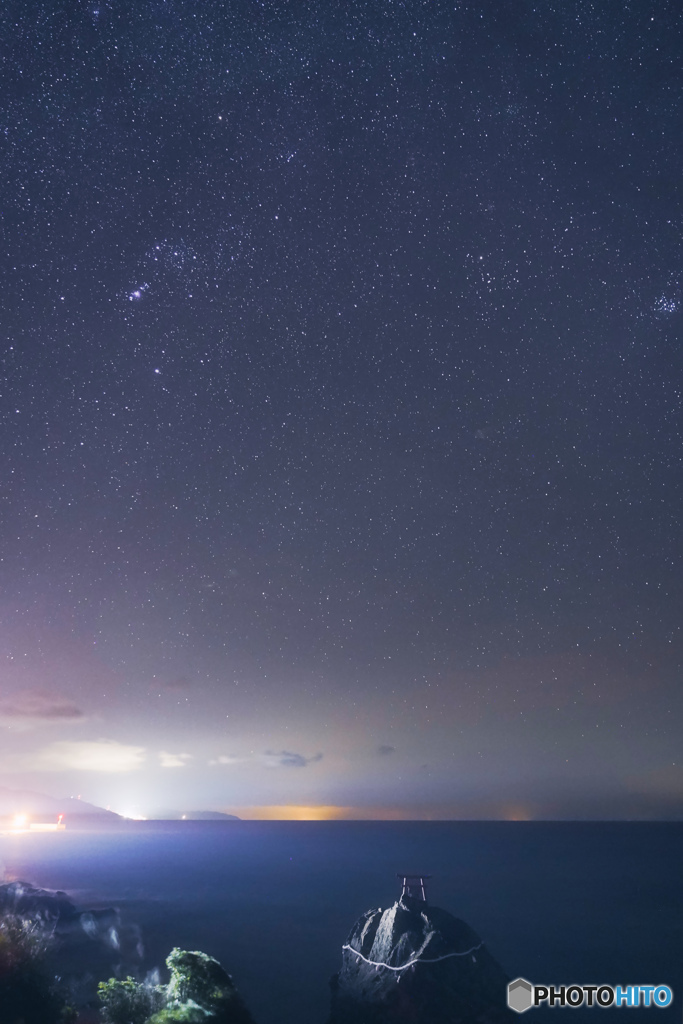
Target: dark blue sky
[{"x": 341, "y": 376}]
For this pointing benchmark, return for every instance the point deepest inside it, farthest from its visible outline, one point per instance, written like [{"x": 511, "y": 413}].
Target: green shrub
[
  {"x": 199, "y": 983},
  {"x": 198, "y": 977},
  {"x": 199, "y": 992},
  {"x": 128, "y": 1002},
  {"x": 184, "y": 1013},
  {"x": 26, "y": 993}
]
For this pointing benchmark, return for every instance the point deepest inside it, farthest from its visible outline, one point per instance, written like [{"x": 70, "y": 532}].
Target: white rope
[{"x": 417, "y": 960}]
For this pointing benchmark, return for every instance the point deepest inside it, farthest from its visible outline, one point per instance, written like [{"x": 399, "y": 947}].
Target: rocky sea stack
[{"x": 418, "y": 964}]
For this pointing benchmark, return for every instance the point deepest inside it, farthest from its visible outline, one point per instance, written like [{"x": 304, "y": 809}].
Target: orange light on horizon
[
  {"x": 290, "y": 812},
  {"x": 325, "y": 812},
  {"x": 336, "y": 812},
  {"x": 518, "y": 812}
]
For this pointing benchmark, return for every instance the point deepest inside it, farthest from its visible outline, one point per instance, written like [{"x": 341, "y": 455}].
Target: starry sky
[{"x": 341, "y": 406}]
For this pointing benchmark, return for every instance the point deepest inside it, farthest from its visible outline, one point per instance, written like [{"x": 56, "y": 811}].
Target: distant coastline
[{"x": 19, "y": 808}]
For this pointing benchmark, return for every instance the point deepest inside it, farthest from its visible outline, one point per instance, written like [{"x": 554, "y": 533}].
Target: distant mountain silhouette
[{"x": 40, "y": 807}]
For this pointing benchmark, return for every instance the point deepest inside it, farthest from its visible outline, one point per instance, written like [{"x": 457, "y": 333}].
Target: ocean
[{"x": 555, "y": 902}]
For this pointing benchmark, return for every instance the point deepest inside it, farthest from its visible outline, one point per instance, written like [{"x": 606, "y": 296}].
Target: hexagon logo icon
[{"x": 520, "y": 995}]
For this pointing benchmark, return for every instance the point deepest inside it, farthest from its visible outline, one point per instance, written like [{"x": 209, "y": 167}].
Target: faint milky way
[{"x": 341, "y": 432}]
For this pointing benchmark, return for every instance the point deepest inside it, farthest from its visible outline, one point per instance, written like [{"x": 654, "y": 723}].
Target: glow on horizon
[
  {"x": 327, "y": 812},
  {"x": 335, "y": 812},
  {"x": 291, "y": 812},
  {"x": 130, "y": 815}
]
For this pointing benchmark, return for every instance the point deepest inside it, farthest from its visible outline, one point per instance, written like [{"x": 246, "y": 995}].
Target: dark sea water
[{"x": 274, "y": 901}]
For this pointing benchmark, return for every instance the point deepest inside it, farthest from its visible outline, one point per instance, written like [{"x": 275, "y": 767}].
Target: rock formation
[
  {"x": 199, "y": 980},
  {"x": 86, "y": 946},
  {"x": 417, "y": 964}
]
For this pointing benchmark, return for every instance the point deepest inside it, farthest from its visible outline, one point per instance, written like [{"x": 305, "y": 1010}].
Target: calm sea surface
[{"x": 273, "y": 901}]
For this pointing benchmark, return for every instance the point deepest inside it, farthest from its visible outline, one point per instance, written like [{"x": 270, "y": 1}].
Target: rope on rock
[{"x": 417, "y": 960}]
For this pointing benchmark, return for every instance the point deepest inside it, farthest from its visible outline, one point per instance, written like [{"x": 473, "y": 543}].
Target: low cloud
[
  {"x": 167, "y": 760},
  {"x": 287, "y": 759},
  {"x": 226, "y": 759},
  {"x": 93, "y": 756},
  {"x": 384, "y": 750},
  {"x": 38, "y": 706}
]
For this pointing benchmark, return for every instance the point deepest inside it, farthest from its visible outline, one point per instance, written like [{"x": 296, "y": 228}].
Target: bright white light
[{"x": 20, "y": 820}]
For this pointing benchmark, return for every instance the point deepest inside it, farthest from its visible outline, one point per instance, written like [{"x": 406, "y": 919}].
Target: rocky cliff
[
  {"x": 87, "y": 945},
  {"x": 418, "y": 964}
]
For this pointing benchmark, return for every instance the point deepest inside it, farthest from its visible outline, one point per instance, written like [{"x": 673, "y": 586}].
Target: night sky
[{"x": 341, "y": 406}]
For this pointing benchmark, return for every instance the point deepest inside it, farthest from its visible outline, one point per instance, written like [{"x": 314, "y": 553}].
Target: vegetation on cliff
[
  {"x": 200, "y": 991},
  {"x": 26, "y": 991}
]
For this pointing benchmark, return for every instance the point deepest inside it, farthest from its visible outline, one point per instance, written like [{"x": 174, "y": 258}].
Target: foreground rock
[
  {"x": 197, "y": 979},
  {"x": 85, "y": 945},
  {"x": 417, "y": 964},
  {"x": 53, "y": 955}
]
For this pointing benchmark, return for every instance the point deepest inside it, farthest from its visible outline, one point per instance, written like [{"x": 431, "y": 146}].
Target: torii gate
[{"x": 414, "y": 885}]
